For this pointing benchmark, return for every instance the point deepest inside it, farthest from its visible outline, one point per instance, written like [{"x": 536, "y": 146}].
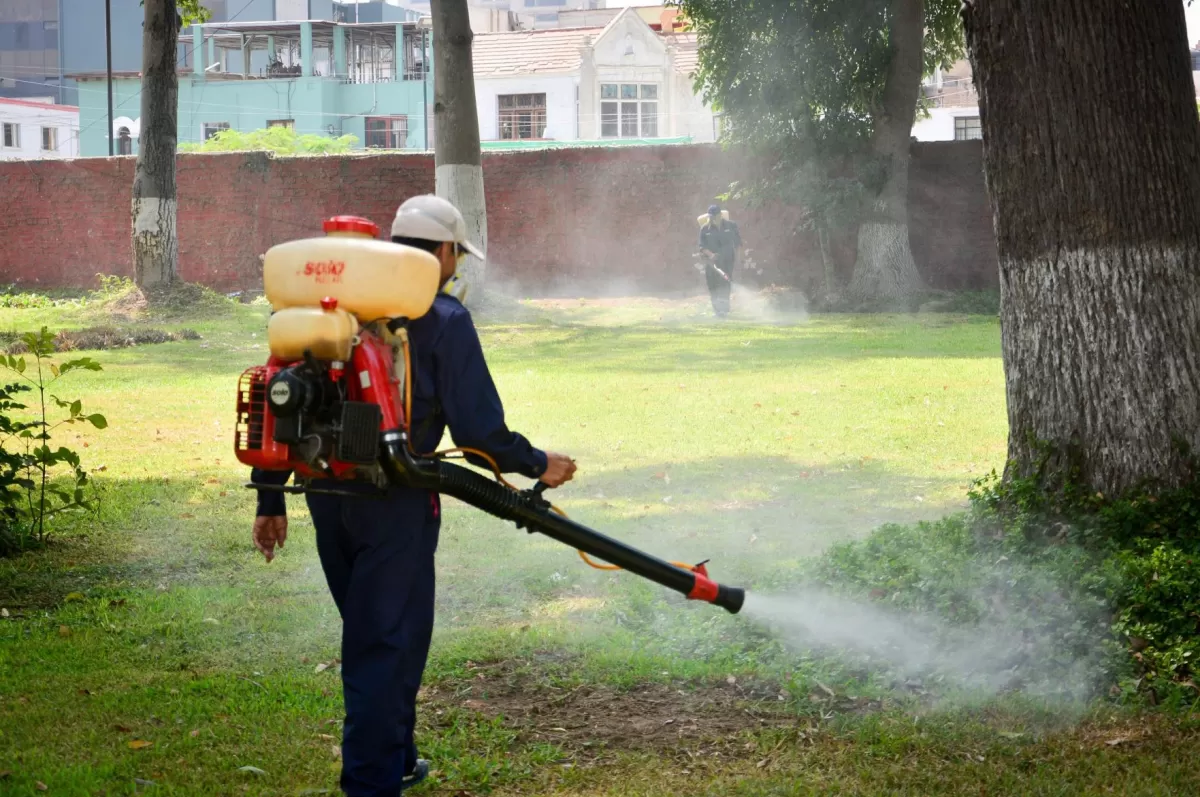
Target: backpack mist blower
[{"x": 334, "y": 400}]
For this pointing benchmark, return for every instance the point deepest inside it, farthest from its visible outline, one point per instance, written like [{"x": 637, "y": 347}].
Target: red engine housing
[{"x": 369, "y": 377}]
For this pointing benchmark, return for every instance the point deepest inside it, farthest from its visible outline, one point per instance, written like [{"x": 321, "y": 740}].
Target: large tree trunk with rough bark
[
  {"x": 458, "y": 167},
  {"x": 155, "y": 248},
  {"x": 885, "y": 270},
  {"x": 1092, "y": 158}
]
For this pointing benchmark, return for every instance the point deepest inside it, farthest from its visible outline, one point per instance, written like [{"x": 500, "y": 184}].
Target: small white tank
[
  {"x": 369, "y": 278},
  {"x": 702, "y": 219}
]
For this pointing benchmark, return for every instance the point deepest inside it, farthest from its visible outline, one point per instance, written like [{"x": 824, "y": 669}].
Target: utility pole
[
  {"x": 108, "y": 52},
  {"x": 458, "y": 166}
]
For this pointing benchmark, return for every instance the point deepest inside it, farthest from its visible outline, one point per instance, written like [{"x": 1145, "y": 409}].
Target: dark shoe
[{"x": 418, "y": 774}]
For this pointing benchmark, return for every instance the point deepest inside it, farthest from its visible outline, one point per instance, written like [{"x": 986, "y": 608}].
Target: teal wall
[{"x": 317, "y": 105}]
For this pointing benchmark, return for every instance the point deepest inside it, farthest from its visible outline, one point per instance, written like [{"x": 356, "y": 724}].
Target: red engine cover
[{"x": 369, "y": 377}]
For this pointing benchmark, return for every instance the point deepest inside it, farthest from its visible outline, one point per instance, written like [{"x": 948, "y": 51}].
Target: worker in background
[
  {"x": 719, "y": 242},
  {"x": 378, "y": 555}
]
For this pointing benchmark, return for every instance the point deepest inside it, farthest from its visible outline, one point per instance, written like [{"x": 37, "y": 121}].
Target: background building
[
  {"x": 621, "y": 81},
  {"x": 38, "y": 129},
  {"x": 43, "y": 41},
  {"x": 371, "y": 80}
]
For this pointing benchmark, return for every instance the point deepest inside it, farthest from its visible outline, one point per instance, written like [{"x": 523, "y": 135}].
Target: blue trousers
[{"x": 378, "y": 558}]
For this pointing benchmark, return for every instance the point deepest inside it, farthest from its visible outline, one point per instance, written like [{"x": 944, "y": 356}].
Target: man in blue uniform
[
  {"x": 378, "y": 555},
  {"x": 719, "y": 240}
]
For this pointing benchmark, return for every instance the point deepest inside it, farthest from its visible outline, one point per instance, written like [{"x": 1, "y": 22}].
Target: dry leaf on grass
[
  {"x": 251, "y": 770},
  {"x": 138, "y": 744},
  {"x": 41, "y": 786},
  {"x": 122, "y": 729}
]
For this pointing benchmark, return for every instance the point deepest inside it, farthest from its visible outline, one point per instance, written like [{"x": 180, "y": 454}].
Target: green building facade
[{"x": 369, "y": 80}]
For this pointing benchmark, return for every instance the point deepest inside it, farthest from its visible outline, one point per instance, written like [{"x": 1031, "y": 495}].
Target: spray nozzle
[{"x": 701, "y": 569}]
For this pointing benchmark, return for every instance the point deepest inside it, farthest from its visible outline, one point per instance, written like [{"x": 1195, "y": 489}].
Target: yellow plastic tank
[
  {"x": 703, "y": 218},
  {"x": 370, "y": 279},
  {"x": 327, "y": 331}
]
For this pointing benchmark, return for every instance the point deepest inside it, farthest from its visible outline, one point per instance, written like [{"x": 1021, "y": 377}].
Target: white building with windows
[
  {"x": 37, "y": 128},
  {"x": 953, "y": 106},
  {"x": 621, "y": 81}
]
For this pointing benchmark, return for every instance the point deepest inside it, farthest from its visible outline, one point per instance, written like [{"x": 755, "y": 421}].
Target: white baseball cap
[{"x": 432, "y": 218}]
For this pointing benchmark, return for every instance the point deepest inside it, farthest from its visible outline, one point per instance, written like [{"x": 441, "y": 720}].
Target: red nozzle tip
[
  {"x": 329, "y": 303},
  {"x": 703, "y": 590}
]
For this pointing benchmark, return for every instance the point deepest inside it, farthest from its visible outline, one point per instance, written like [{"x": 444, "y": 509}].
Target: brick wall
[{"x": 580, "y": 220}]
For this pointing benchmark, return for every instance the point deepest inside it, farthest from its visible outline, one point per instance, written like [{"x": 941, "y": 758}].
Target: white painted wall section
[
  {"x": 21, "y": 130},
  {"x": 561, "y": 117},
  {"x": 940, "y": 124}
]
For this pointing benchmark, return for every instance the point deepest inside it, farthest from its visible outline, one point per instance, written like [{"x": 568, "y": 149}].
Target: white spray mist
[{"x": 921, "y": 648}]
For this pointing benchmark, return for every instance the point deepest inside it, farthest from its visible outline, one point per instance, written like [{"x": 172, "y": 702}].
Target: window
[
  {"x": 290, "y": 124},
  {"x": 628, "y": 110},
  {"x": 12, "y": 134},
  {"x": 415, "y": 64},
  {"x": 49, "y": 139},
  {"x": 966, "y": 128},
  {"x": 522, "y": 116},
  {"x": 212, "y": 128},
  {"x": 387, "y": 132},
  {"x": 124, "y": 142}
]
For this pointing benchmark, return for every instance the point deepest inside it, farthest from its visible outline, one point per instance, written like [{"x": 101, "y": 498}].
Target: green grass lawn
[{"x": 154, "y": 645}]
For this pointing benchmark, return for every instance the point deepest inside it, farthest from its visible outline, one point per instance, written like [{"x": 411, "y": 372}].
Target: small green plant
[{"x": 37, "y": 480}]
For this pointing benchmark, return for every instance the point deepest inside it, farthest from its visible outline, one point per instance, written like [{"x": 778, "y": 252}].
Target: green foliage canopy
[
  {"x": 280, "y": 140},
  {"x": 803, "y": 80}
]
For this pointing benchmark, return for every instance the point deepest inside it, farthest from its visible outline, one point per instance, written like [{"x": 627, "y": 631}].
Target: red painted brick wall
[{"x": 580, "y": 220}]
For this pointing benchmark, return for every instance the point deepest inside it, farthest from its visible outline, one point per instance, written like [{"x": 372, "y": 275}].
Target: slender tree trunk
[
  {"x": 459, "y": 169},
  {"x": 1092, "y": 158},
  {"x": 155, "y": 248},
  {"x": 885, "y": 269}
]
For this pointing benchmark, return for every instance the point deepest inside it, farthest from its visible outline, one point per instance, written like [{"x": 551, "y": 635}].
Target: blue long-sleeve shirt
[{"x": 452, "y": 387}]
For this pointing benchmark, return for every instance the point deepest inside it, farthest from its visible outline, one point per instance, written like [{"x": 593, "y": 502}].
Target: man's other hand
[
  {"x": 268, "y": 533},
  {"x": 559, "y": 469}
]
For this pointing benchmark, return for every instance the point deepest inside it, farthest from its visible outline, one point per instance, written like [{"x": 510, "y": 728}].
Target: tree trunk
[
  {"x": 1092, "y": 158},
  {"x": 459, "y": 170},
  {"x": 885, "y": 270},
  {"x": 155, "y": 248}
]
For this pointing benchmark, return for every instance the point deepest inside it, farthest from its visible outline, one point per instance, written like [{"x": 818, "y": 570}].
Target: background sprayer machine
[{"x": 334, "y": 401}]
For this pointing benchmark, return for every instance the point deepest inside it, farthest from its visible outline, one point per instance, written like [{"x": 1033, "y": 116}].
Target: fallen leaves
[
  {"x": 64, "y": 631},
  {"x": 140, "y": 744},
  {"x": 73, "y": 596},
  {"x": 4, "y": 613},
  {"x": 251, "y": 770},
  {"x": 40, "y": 786}
]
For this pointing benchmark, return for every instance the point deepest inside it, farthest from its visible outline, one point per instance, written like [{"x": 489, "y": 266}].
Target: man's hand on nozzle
[
  {"x": 560, "y": 469},
  {"x": 270, "y": 532}
]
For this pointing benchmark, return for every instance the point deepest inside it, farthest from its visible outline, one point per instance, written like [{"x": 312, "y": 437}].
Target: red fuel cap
[
  {"x": 329, "y": 303},
  {"x": 352, "y": 224}
]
